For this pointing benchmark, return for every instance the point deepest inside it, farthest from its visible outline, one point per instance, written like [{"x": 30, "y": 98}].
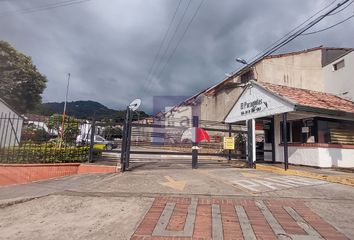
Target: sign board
[
  {"x": 229, "y": 143},
  {"x": 256, "y": 102},
  {"x": 305, "y": 129}
]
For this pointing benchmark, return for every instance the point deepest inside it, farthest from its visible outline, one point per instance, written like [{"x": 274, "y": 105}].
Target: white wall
[
  {"x": 342, "y": 80},
  {"x": 338, "y": 157},
  {"x": 10, "y": 123},
  {"x": 319, "y": 157}
]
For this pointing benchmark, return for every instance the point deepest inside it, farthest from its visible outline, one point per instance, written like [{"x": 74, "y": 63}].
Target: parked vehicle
[{"x": 109, "y": 145}]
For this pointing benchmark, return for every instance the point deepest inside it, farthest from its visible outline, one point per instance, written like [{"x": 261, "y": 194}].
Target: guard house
[{"x": 299, "y": 126}]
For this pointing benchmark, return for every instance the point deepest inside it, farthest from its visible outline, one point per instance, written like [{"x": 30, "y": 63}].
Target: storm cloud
[{"x": 108, "y": 46}]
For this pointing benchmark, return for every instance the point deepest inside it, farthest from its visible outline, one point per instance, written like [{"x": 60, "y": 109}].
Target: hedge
[{"x": 45, "y": 154}]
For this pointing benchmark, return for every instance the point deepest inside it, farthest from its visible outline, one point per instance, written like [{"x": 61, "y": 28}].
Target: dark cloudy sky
[{"x": 109, "y": 45}]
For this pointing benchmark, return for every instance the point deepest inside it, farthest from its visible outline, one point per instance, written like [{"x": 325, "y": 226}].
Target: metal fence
[
  {"x": 41, "y": 140},
  {"x": 169, "y": 136},
  {"x": 44, "y": 140}
]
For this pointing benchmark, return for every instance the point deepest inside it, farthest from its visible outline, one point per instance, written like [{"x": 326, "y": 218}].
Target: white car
[{"x": 109, "y": 145}]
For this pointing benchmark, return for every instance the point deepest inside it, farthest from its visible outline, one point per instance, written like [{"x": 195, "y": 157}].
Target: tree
[
  {"x": 111, "y": 132},
  {"x": 71, "y": 126},
  {"x": 21, "y": 85}
]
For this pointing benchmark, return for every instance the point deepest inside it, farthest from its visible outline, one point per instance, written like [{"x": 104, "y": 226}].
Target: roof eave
[
  {"x": 330, "y": 112},
  {"x": 11, "y": 108},
  {"x": 339, "y": 57}
]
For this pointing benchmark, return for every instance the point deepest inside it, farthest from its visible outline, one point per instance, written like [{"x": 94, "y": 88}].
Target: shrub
[
  {"x": 34, "y": 134},
  {"x": 71, "y": 126},
  {"x": 31, "y": 153}
]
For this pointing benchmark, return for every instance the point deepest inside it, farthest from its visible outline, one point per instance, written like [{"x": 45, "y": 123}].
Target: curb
[{"x": 329, "y": 178}]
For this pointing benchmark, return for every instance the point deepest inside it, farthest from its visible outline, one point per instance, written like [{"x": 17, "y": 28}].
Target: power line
[
  {"x": 42, "y": 8},
  {"x": 324, "y": 29},
  {"x": 340, "y": 10},
  {"x": 291, "y": 31},
  {"x": 181, "y": 38},
  {"x": 298, "y": 33},
  {"x": 170, "y": 40},
  {"x": 163, "y": 42}
]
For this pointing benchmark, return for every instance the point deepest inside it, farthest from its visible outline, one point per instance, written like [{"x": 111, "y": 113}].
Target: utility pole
[{"x": 64, "y": 112}]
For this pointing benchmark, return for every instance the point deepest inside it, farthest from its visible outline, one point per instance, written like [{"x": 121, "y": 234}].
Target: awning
[{"x": 256, "y": 102}]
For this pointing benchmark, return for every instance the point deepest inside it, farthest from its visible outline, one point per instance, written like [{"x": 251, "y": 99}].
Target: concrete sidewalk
[
  {"x": 329, "y": 175},
  {"x": 177, "y": 202}
]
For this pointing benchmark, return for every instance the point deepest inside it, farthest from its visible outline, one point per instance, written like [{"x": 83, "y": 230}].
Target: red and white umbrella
[{"x": 195, "y": 135}]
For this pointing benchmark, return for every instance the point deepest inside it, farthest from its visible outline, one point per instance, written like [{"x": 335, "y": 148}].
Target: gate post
[
  {"x": 127, "y": 131},
  {"x": 285, "y": 142},
  {"x": 195, "y": 144},
  {"x": 92, "y": 137},
  {"x": 229, "y": 151},
  {"x": 124, "y": 141},
  {"x": 129, "y": 135},
  {"x": 251, "y": 142}
]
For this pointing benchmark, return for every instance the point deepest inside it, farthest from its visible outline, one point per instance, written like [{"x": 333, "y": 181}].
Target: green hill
[{"x": 84, "y": 110}]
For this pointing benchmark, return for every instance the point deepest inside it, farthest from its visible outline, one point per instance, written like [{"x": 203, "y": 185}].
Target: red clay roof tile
[{"x": 310, "y": 98}]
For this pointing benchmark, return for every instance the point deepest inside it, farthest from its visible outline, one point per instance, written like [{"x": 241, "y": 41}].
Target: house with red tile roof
[
  {"x": 313, "y": 88},
  {"x": 305, "y": 127}
]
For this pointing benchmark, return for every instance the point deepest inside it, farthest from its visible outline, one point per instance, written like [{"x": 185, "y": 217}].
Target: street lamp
[
  {"x": 246, "y": 68},
  {"x": 242, "y": 61}
]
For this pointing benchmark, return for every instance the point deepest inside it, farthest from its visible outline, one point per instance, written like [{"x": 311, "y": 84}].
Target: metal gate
[{"x": 169, "y": 139}]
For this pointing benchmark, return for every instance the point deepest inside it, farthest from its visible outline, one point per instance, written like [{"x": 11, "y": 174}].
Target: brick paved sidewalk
[{"x": 216, "y": 218}]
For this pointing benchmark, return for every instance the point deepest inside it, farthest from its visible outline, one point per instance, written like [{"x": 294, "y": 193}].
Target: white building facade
[
  {"x": 10, "y": 125},
  {"x": 338, "y": 76},
  {"x": 319, "y": 126}
]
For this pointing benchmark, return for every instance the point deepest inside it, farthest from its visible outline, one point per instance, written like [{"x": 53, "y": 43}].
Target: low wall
[
  {"x": 320, "y": 155},
  {"x": 87, "y": 168},
  {"x": 25, "y": 173}
]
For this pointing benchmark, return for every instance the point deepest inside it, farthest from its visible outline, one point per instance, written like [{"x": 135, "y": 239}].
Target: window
[
  {"x": 294, "y": 131},
  {"x": 319, "y": 130},
  {"x": 247, "y": 76},
  {"x": 338, "y": 65},
  {"x": 335, "y": 132}
]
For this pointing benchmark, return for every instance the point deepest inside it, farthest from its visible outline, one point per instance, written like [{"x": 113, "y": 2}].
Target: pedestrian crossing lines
[{"x": 275, "y": 183}]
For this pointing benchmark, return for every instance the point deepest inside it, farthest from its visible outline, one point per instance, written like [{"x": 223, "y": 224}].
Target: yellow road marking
[
  {"x": 329, "y": 178},
  {"x": 178, "y": 185}
]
